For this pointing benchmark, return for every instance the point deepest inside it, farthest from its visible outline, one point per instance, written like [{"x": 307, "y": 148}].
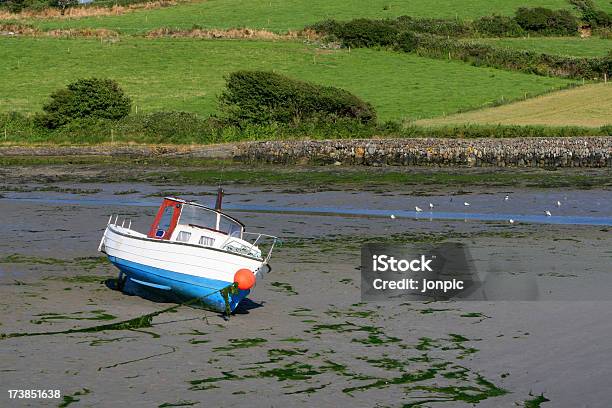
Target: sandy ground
[{"x": 304, "y": 338}]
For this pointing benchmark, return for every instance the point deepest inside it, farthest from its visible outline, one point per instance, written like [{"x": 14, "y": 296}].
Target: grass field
[
  {"x": 185, "y": 74},
  {"x": 283, "y": 15},
  {"x": 588, "y": 106},
  {"x": 605, "y": 5},
  {"x": 572, "y": 46}
]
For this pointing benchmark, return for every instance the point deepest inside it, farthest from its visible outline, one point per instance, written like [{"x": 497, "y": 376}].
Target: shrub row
[
  {"x": 591, "y": 15},
  {"x": 172, "y": 128},
  {"x": 188, "y": 128},
  {"x": 367, "y": 32},
  {"x": 480, "y": 54},
  {"x": 16, "y": 6},
  {"x": 391, "y": 33},
  {"x": 546, "y": 21}
]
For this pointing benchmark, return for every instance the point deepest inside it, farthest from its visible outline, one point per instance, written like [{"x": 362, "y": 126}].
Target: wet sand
[{"x": 304, "y": 338}]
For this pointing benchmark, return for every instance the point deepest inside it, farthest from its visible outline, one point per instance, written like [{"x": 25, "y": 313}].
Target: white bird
[
  {"x": 431, "y": 206},
  {"x": 507, "y": 197},
  {"x": 548, "y": 214},
  {"x": 417, "y": 209},
  {"x": 466, "y": 204},
  {"x": 511, "y": 221},
  {"x": 558, "y": 203},
  {"x": 392, "y": 216}
]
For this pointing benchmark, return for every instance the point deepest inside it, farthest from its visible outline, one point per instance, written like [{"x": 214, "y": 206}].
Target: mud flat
[{"x": 304, "y": 338}]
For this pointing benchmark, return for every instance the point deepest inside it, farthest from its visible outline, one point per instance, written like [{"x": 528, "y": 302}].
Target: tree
[
  {"x": 86, "y": 98},
  {"x": 63, "y": 4}
]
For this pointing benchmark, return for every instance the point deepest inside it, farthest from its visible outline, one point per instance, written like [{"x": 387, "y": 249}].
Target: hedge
[
  {"x": 365, "y": 32},
  {"x": 399, "y": 37},
  {"x": 480, "y": 54},
  {"x": 260, "y": 97}
]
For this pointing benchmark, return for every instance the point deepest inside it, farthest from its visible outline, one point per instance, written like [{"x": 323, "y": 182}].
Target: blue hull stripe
[{"x": 174, "y": 286}]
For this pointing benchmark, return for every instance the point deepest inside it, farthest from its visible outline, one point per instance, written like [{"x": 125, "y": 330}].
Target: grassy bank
[
  {"x": 282, "y": 16},
  {"x": 587, "y": 106},
  {"x": 569, "y": 46},
  {"x": 184, "y": 74}
]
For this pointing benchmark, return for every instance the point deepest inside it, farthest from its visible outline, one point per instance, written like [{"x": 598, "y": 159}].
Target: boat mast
[{"x": 219, "y": 198}]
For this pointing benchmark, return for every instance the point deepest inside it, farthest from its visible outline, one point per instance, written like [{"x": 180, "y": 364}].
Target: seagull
[
  {"x": 392, "y": 216},
  {"x": 417, "y": 209},
  {"x": 466, "y": 204},
  {"x": 548, "y": 214},
  {"x": 431, "y": 206},
  {"x": 558, "y": 203},
  {"x": 507, "y": 197},
  {"x": 511, "y": 221}
]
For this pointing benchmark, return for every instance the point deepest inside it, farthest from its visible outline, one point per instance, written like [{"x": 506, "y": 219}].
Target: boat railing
[
  {"x": 252, "y": 243},
  {"x": 115, "y": 222}
]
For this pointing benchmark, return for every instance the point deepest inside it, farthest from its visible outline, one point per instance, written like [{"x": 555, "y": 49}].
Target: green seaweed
[
  {"x": 241, "y": 343},
  {"x": 274, "y": 353},
  {"x": 468, "y": 394},
  {"x": 535, "y": 402},
  {"x": 432, "y": 310},
  {"x": 405, "y": 378},
  {"x": 309, "y": 390},
  {"x": 180, "y": 403},
  {"x": 225, "y": 293},
  {"x": 475, "y": 314},
  {"x": 98, "y": 342},
  {"x": 284, "y": 287},
  {"x": 386, "y": 363},
  {"x": 292, "y": 340},
  {"x": 301, "y": 312},
  {"x": 140, "y": 322},
  {"x": 49, "y": 317},
  {"x": 126, "y": 192},
  {"x": 204, "y": 383},
  {"x": 293, "y": 371},
  {"x": 69, "y": 399}
]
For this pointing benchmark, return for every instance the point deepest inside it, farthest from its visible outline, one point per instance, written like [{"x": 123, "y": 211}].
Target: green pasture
[
  {"x": 187, "y": 74},
  {"x": 284, "y": 15},
  {"x": 571, "y": 46}
]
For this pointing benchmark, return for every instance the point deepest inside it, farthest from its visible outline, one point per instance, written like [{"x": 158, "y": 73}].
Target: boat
[{"x": 191, "y": 254}]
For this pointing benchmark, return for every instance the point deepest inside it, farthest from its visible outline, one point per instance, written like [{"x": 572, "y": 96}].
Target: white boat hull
[{"x": 178, "y": 270}]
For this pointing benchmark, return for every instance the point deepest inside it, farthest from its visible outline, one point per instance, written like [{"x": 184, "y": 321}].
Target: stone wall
[{"x": 516, "y": 152}]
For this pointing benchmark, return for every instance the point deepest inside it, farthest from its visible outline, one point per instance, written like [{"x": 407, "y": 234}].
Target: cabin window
[
  {"x": 164, "y": 222},
  {"x": 207, "y": 241},
  {"x": 230, "y": 227},
  {"x": 198, "y": 217},
  {"x": 183, "y": 236}
]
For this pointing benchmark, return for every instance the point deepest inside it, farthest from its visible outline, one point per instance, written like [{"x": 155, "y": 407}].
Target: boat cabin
[{"x": 183, "y": 221}]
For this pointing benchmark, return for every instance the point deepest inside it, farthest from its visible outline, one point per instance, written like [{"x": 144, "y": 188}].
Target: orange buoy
[{"x": 245, "y": 278}]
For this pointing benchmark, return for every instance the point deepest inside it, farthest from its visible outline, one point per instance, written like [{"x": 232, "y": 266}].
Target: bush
[
  {"x": 498, "y": 26},
  {"x": 360, "y": 32},
  {"x": 86, "y": 98},
  {"x": 407, "y": 41},
  {"x": 450, "y": 28},
  {"x": 543, "y": 20},
  {"x": 265, "y": 97},
  {"x": 15, "y": 6},
  {"x": 592, "y": 15}
]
